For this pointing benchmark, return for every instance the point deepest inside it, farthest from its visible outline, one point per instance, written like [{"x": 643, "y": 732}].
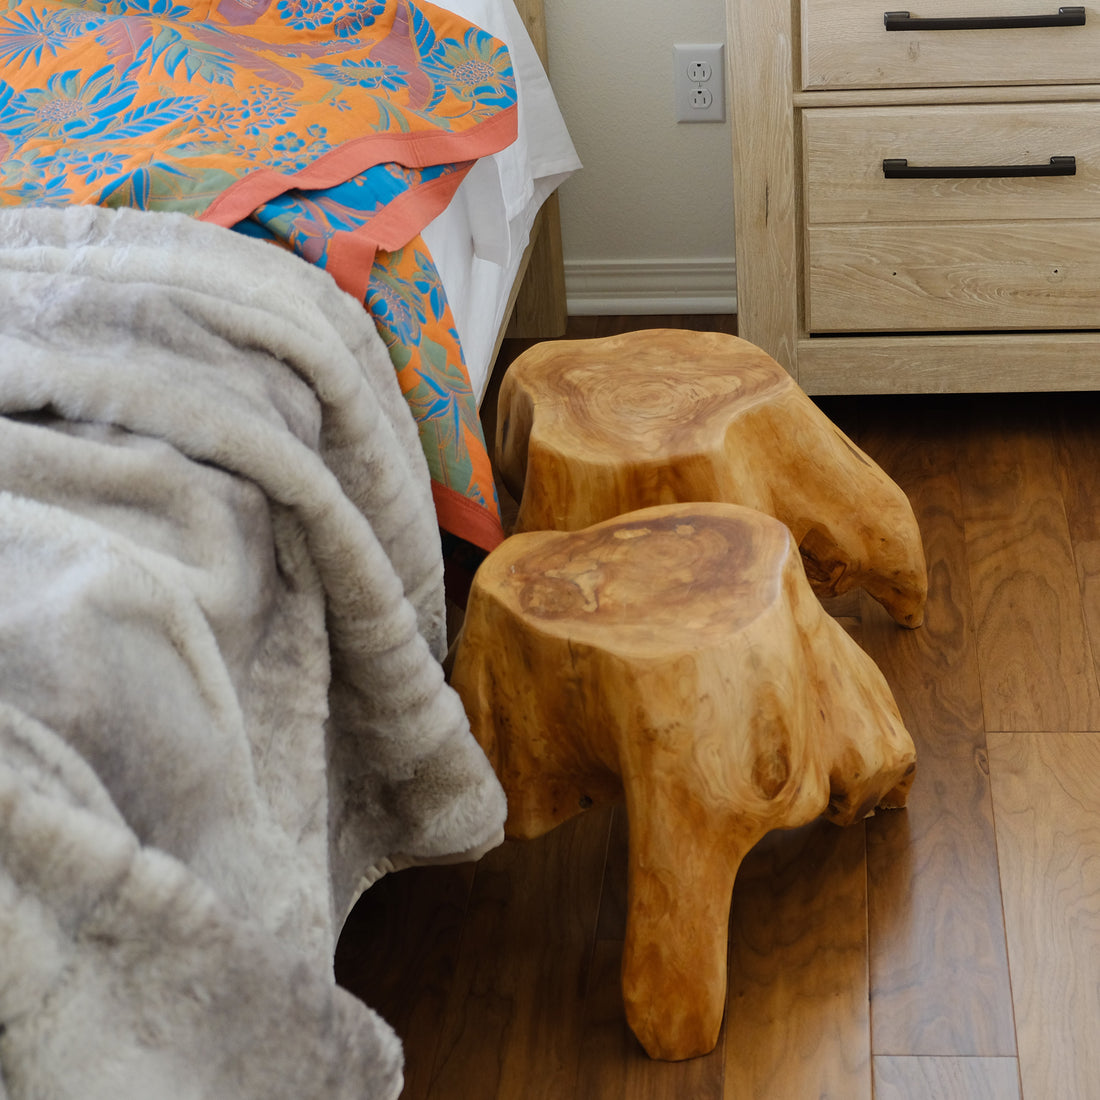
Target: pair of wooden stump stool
[{"x": 652, "y": 632}]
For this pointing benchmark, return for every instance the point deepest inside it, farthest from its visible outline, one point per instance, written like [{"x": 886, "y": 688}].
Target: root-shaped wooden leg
[
  {"x": 867, "y": 752},
  {"x": 681, "y": 876},
  {"x": 590, "y": 429},
  {"x": 678, "y": 655}
]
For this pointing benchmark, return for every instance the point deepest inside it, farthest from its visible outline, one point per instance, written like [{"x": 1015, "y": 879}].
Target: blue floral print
[
  {"x": 69, "y": 107},
  {"x": 365, "y": 74},
  {"x": 346, "y": 17},
  {"x": 26, "y": 35}
]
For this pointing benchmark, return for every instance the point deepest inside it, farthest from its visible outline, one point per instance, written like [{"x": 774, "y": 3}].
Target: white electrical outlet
[
  {"x": 701, "y": 99},
  {"x": 700, "y": 83}
]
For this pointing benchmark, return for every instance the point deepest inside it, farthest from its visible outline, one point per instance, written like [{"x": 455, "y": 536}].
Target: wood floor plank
[
  {"x": 938, "y": 961},
  {"x": 1078, "y": 448},
  {"x": 946, "y": 1079},
  {"x": 1048, "y": 828},
  {"x": 514, "y": 1023},
  {"x": 797, "y": 1020},
  {"x": 416, "y": 916},
  {"x": 613, "y": 1065},
  {"x": 1034, "y": 653},
  {"x": 612, "y": 920}
]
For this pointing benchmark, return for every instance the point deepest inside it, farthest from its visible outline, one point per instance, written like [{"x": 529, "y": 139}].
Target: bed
[
  {"x": 222, "y": 708},
  {"x": 506, "y": 210},
  {"x": 405, "y": 148}
]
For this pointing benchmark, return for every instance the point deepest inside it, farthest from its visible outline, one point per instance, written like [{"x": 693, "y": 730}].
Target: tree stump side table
[
  {"x": 589, "y": 429},
  {"x": 677, "y": 656}
]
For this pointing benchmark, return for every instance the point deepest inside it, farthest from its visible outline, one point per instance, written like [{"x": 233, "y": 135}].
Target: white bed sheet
[{"x": 478, "y": 241}]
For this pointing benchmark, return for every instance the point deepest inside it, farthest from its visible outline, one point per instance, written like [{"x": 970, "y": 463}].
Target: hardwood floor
[{"x": 948, "y": 951}]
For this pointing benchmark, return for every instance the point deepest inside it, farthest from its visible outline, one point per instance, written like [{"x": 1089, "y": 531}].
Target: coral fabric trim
[
  {"x": 351, "y": 255},
  {"x": 463, "y": 516},
  {"x": 412, "y": 150}
]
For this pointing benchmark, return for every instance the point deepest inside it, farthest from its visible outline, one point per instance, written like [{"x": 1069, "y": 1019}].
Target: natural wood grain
[
  {"x": 1048, "y": 831},
  {"x": 676, "y": 654},
  {"x": 590, "y": 429},
  {"x": 943, "y": 276},
  {"x": 534, "y": 17},
  {"x": 582, "y": 328},
  {"x": 950, "y": 364},
  {"x": 845, "y": 45},
  {"x": 613, "y": 900},
  {"x": 797, "y": 1021},
  {"x": 946, "y": 1079},
  {"x": 1078, "y": 452},
  {"x": 613, "y": 1065},
  {"x": 1038, "y": 671},
  {"x": 765, "y": 175},
  {"x": 840, "y": 50},
  {"x": 779, "y": 979},
  {"x": 537, "y": 305},
  {"x": 585, "y": 328},
  {"x": 844, "y": 151},
  {"x": 514, "y": 1025},
  {"x": 938, "y": 962}
]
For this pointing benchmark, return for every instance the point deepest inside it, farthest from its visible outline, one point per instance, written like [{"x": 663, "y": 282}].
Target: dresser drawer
[
  {"x": 845, "y": 44},
  {"x": 990, "y": 276},
  {"x": 844, "y": 149},
  {"x": 957, "y": 253}
]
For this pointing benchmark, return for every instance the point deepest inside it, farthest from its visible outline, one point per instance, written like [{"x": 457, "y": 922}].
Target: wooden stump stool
[
  {"x": 589, "y": 429},
  {"x": 678, "y": 656}
]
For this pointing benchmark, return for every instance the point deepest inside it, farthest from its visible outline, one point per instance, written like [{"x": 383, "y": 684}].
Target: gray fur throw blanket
[{"x": 222, "y": 712}]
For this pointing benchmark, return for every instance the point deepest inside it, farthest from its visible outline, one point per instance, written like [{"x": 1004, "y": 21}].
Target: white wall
[{"x": 648, "y": 223}]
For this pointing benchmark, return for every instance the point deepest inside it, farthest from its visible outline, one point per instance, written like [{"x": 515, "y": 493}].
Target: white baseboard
[{"x": 611, "y": 287}]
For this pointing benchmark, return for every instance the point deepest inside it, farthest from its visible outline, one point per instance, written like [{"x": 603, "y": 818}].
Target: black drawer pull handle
[
  {"x": 898, "y": 168},
  {"x": 903, "y": 21}
]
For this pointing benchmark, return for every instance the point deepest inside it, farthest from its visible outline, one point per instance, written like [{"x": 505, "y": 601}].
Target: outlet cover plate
[{"x": 689, "y": 57}]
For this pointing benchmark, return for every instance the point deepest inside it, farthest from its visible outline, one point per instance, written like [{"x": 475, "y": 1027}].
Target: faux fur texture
[{"x": 221, "y": 704}]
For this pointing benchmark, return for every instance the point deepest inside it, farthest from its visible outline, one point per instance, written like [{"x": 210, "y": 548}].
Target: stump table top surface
[
  {"x": 643, "y": 391},
  {"x": 664, "y": 576}
]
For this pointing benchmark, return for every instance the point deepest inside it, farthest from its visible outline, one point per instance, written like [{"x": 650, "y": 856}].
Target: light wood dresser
[{"x": 917, "y": 194}]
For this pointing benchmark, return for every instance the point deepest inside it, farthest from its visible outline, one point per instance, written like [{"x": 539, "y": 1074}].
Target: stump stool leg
[
  {"x": 676, "y": 656},
  {"x": 590, "y": 429}
]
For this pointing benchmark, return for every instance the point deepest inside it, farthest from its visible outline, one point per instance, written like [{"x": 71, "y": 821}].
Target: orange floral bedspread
[{"x": 336, "y": 128}]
